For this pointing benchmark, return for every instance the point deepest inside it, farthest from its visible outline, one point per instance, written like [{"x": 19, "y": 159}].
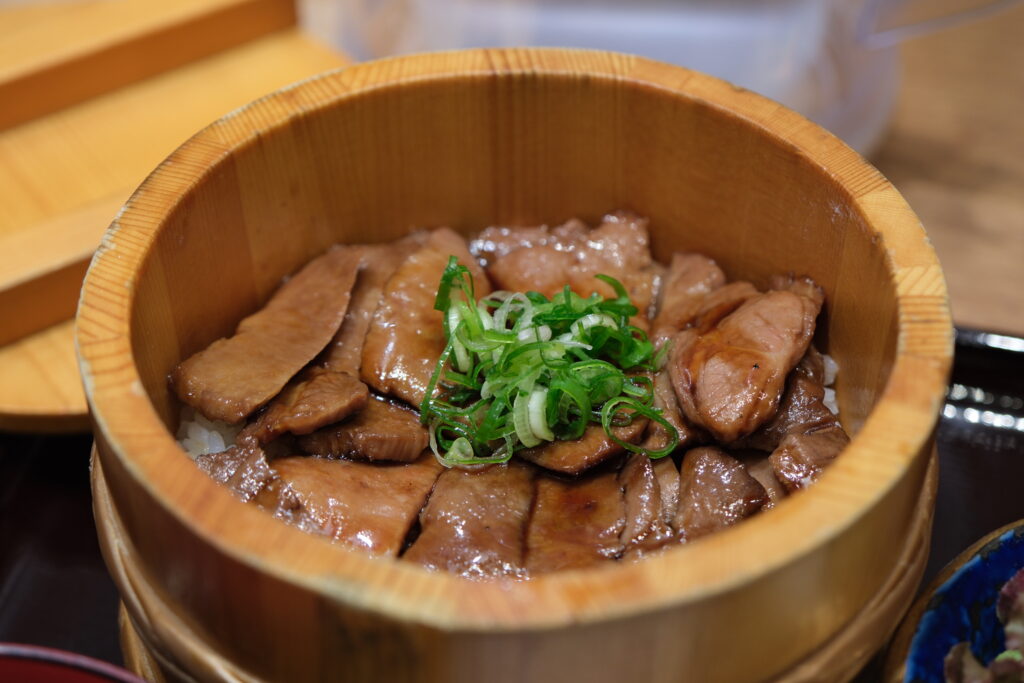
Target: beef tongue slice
[
  {"x": 243, "y": 468},
  {"x": 690, "y": 278},
  {"x": 579, "y": 455},
  {"x": 233, "y": 377},
  {"x": 474, "y": 524},
  {"x": 715, "y": 492},
  {"x": 729, "y": 377},
  {"x": 645, "y": 526},
  {"x": 319, "y": 398},
  {"x": 801, "y": 458},
  {"x": 379, "y": 263},
  {"x": 802, "y": 408},
  {"x": 406, "y": 336},
  {"x": 361, "y": 505},
  {"x": 380, "y": 431},
  {"x": 575, "y": 523}
]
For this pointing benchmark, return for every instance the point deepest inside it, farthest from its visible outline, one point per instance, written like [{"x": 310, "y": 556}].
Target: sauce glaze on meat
[{"x": 330, "y": 377}]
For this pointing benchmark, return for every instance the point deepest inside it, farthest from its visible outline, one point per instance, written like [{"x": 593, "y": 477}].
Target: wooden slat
[
  {"x": 52, "y": 56},
  {"x": 63, "y": 178}
]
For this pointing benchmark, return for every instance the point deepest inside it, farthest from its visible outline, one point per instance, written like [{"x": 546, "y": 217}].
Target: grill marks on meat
[
  {"x": 729, "y": 378},
  {"x": 233, "y": 377},
  {"x": 406, "y": 336},
  {"x": 542, "y": 260},
  {"x": 593, "y": 448},
  {"x": 801, "y": 458},
  {"x": 360, "y": 505},
  {"x": 243, "y": 468},
  {"x": 474, "y": 523},
  {"x": 305, "y": 405},
  {"x": 380, "y": 431},
  {"x": 715, "y": 492},
  {"x": 575, "y": 523}
]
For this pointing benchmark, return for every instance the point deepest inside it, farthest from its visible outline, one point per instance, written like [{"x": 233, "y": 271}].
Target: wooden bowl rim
[{"x": 891, "y": 439}]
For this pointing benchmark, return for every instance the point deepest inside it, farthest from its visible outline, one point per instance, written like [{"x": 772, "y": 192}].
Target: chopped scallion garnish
[{"x": 520, "y": 369}]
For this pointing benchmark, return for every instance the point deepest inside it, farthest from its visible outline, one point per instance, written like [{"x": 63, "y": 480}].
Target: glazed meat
[
  {"x": 380, "y": 431},
  {"x": 305, "y": 405},
  {"x": 801, "y": 458},
  {"x": 802, "y": 408},
  {"x": 232, "y": 377},
  {"x": 667, "y": 474},
  {"x": 546, "y": 260},
  {"x": 361, "y": 505},
  {"x": 729, "y": 379},
  {"x": 336, "y": 367},
  {"x": 715, "y": 492},
  {"x": 686, "y": 285},
  {"x": 406, "y": 336},
  {"x": 243, "y": 468},
  {"x": 576, "y": 523},
  {"x": 474, "y": 524},
  {"x": 593, "y": 448},
  {"x": 379, "y": 263},
  {"x": 645, "y": 526},
  {"x": 497, "y": 242},
  {"x": 760, "y": 468},
  {"x": 657, "y": 437}
]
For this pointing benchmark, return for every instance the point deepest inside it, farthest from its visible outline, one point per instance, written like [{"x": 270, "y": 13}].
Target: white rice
[
  {"x": 199, "y": 436},
  {"x": 831, "y": 370}
]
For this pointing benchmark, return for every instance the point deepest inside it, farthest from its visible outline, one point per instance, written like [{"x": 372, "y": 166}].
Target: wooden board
[
  {"x": 56, "y": 54},
  {"x": 956, "y": 151},
  {"x": 62, "y": 179}
]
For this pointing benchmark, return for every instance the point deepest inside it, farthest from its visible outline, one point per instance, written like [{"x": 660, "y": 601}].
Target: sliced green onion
[{"x": 520, "y": 369}]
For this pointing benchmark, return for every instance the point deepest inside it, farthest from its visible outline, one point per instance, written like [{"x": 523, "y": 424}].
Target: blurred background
[{"x": 95, "y": 93}]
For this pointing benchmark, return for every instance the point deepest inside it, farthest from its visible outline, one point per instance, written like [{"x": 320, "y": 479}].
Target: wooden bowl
[{"x": 514, "y": 136}]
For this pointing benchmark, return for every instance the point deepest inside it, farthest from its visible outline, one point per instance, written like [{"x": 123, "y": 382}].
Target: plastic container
[{"x": 835, "y": 61}]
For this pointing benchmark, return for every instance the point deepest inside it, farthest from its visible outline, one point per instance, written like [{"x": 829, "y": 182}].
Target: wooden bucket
[{"x": 514, "y": 136}]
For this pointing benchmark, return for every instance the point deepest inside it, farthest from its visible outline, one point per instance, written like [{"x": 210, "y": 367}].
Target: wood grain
[
  {"x": 524, "y": 136},
  {"x": 836, "y": 661},
  {"x": 40, "y": 388},
  {"x": 52, "y": 57},
  {"x": 62, "y": 179},
  {"x": 956, "y": 151}
]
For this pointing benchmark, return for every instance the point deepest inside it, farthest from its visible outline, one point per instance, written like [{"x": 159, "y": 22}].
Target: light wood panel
[
  {"x": 62, "y": 179},
  {"x": 956, "y": 151},
  {"x": 515, "y": 136},
  {"x": 54, "y": 54}
]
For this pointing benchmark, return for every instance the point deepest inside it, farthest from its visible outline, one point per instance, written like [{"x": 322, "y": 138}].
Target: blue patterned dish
[{"x": 961, "y": 605}]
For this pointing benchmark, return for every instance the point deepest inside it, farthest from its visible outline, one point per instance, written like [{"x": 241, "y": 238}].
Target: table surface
[{"x": 955, "y": 149}]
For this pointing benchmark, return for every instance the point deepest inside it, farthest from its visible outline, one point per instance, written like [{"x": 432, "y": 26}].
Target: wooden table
[{"x": 955, "y": 150}]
